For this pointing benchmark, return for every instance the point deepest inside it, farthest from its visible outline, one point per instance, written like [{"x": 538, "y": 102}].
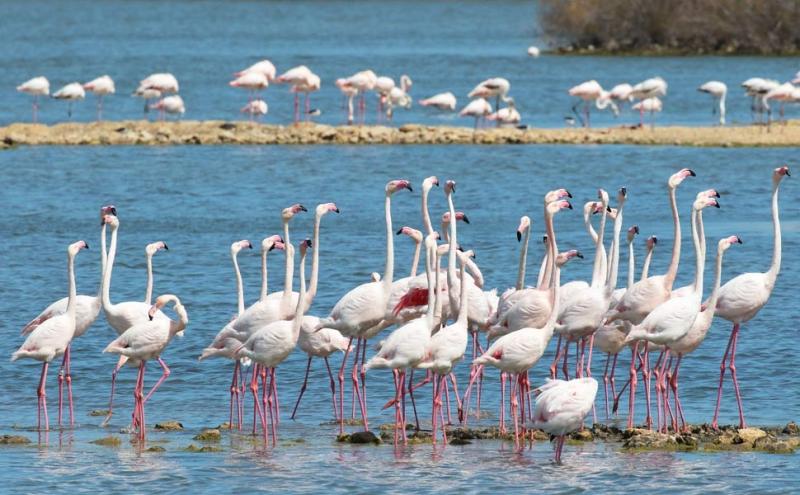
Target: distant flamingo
[
  {"x": 145, "y": 341},
  {"x": 620, "y": 94},
  {"x": 785, "y": 93},
  {"x": 310, "y": 85},
  {"x": 718, "y": 90},
  {"x": 743, "y": 296},
  {"x": 71, "y": 92},
  {"x": 477, "y": 109},
  {"x": 362, "y": 81},
  {"x": 650, "y": 89},
  {"x": 506, "y": 116},
  {"x": 296, "y": 76},
  {"x": 252, "y": 81},
  {"x": 588, "y": 92},
  {"x": 101, "y": 87},
  {"x": 170, "y": 104},
  {"x": 36, "y": 87},
  {"x": 534, "y": 51},
  {"x": 264, "y": 67},
  {"x": 52, "y": 338},
  {"x": 757, "y": 88},
  {"x": 155, "y": 86},
  {"x": 652, "y": 105},
  {"x": 495, "y": 87},
  {"x": 255, "y": 109},
  {"x": 442, "y": 101},
  {"x": 561, "y": 407},
  {"x": 349, "y": 92}
]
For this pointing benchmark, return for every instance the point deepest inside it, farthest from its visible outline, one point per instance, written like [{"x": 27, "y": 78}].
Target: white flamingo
[
  {"x": 102, "y": 87},
  {"x": 718, "y": 90},
  {"x": 441, "y": 101},
  {"x": 562, "y": 406},
  {"x": 71, "y": 92},
  {"x": 264, "y": 67},
  {"x": 36, "y": 87}
]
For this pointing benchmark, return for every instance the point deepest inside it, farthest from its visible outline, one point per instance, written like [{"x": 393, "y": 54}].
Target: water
[
  {"x": 443, "y": 46},
  {"x": 200, "y": 199}
]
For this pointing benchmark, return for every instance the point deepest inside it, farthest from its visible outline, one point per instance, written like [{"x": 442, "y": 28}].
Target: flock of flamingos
[
  {"x": 434, "y": 314},
  {"x": 163, "y": 88}
]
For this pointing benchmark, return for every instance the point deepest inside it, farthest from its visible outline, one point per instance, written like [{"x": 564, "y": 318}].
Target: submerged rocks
[
  {"x": 209, "y": 435},
  {"x": 169, "y": 426},
  {"x": 13, "y": 440},
  {"x": 109, "y": 441},
  {"x": 359, "y": 437}
]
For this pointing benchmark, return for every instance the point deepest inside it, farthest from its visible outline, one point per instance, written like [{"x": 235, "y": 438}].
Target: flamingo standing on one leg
[
  {"x": 252, "y": 81},
  {"x": 588, "y": 92},
  {"x": 36, "y": 87},
  {"x": 101, "y": 86},
  {"x": 71, "y": 92},
  {"x": 742, "y": 297},
  {"x": 52, "y": 337},
  {"x": 718, "y": 90},
  {"x": 145, "y": 341},
  {"x": 655, "y": 87},
  {"x": 562, "y": 406},
  {"x": 478, "y": 109},
  {"x": 442, "y": 101}
]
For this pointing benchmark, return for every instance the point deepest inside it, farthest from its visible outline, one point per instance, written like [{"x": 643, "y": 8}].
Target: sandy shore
[{"x": 219, "y": 132}]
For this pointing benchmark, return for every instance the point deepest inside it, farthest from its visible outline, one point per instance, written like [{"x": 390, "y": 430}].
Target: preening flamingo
[
  {"x": 52, "y": 337},
  {"x": 742, "y": 297},
  {"x": 255, "y": 109},
  {"x": 170, "y": 104},
  {"x": 36, "y": 87},
  {"x": 441, "y": 101},
  {"x": 362, "y": 82},
  {"x": 652, "y": 105},
  {"x": 495, "y": 87},
  {"x": 478, "y": 109},
  {"x": 757, "y": 88},
  {"x": 507, "y": 115},
  {"x": 718, "y": 90},
  {"x": 101, "y": 87},
  {"x": 588, "y": 92},
  {"x": 147, "y": 340},
  {"x": 264, "y": 67},
  {"x": 561, "y": 407},
  {"x": 71, "y": 92},
  {"x": 252, "y": 81},
  {"x": 650, "y": 89}
]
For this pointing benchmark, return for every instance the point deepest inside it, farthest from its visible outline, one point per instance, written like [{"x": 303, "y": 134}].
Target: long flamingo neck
[
  {"x": 289, "y": 259},
  {"x": 103, "y": 259},
  {"x": 264, "y": 276},
  {"x": 388, "y": 271},
  {"x": 701, "y": 232},
  {"x": 415, "y": 260},
  {"x": 587, "y": 221},
  {"x": 775, "y": 267},
  {"x": 426, "y": 214},
  {"x": 430, "y": 254},
  {"x": 239, "y": 285},
  {"x": 700, "y": 260},
  {"x": 711, "y": 303},
  {"x": 551, "y": 320},
  {"x": 312, "y": 286},
  {"x": 672, "y": 270},
  {"x": 183, "y": 320},
  {"x": 302, "y": 306},
  {"x": 631, "y": 264},
  {"x": 646, "y": 266},
  {"x": 598, "y": 276},
  {"x": 540, "y": 282},
  {"x": 148, "y": 293},
  {"x": 552, "y": 248},
  {"x": 463, "y": 310},
  {"x": 523, "y": 259},
  {"x": 451, "y": 251},
  {"x": 112, "y": 253},
  {"x": 73, "y": 296},
  {"x": 437, "y": 313},
  {"x": 613, "y": 273}
]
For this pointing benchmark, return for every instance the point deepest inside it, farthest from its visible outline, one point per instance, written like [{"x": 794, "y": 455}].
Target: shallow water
[
  {"x": 200, "y": 199},
  {"x": 443, "y": 46}
]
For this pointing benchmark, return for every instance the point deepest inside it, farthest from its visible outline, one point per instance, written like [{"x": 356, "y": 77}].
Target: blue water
[
  {"x": 443, "y": 46},
  {"x": 200, "y": 199}
]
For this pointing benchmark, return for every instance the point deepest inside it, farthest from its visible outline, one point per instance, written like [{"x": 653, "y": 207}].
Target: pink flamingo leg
[
  {"x": 659, "y": 394},
  {"x": 69, "y": 386},
  {"x": 364, "y": 375},
  {"x": 632, "y": 394},
  {"x": 333, "y": 387},
  {"x": 111, "y": 399},
  {"x": 732, "y": 367},
  {"x": 502, "y": 402},
  {"x": 605, "y": 382},
  {"x": 341, "y": 387},
  {"x": 565, "y": 368},
  {"x": 61, "y": 384},
  {"x": 455, "y": 390},
  {"x": 302, "y": 387},
  {"x": 434, "y": 409},
  {"x": 357, "y": 390},
  {"x": 411, "y": 394},
  {"x": 447, "y": 400},
  {"x": 265, "y": 396},
  {"x": 42, "y": 404},
  {"x": 528, "y": 394},
  {"x": 646, "y": 379},
  {"x": 441, "y": 413},
  {"x": 164, "y": 375},
  {"x": 611, "y": 379},
  {"x": 554, "y": 364},
  {"x": 354, "y": 379},
  {"x": 257, "y": 412},
  {"x": 514, "y": 413},
  {"x": 274, "y": 403},
  {"x": 234, "y": 393},
  {"x": 397, "y": 391},
  {"x": 242, "y": 392},
  {"x": 674, "y": 385},
  {"x": 520, "y": 393},
  {"x": 722, "y": 366}
]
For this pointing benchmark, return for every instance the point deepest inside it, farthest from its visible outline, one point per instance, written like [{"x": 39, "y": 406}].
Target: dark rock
[
  {"x": 228, "y": 126},
  {"x": 459, "y": 441},
  {"x": 209, "y": 435},
  {"x": 110, "y": 441},
  {"x": 13, "y": 440},
  {"x": 205, "y": 448},
  {"x": 791, "y": 428},
  {"x": 98, "y": 412},
  {"x": 169, "y": 426},
  {"x": 156, "y": 448},
  {"x": 359, "y": 437}
]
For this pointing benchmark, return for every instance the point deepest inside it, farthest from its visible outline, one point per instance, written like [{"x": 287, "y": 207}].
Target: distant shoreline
[{"x": 122, "y": 133}]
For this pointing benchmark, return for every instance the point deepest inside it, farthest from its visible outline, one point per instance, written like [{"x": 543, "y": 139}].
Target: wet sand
[{"x": 220, "y": 132}]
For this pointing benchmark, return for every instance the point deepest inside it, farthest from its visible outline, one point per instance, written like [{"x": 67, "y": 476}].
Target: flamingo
[
  {"x": 124, "y": 315},
  {"x": 718, "y": 90},
  {"x": 446, "y": 348},
  {"x": 264, "y": 67},
  {"x": 478, "y": 108},
  {"x": 255, "y": 109},
  {"x": 252, "y": 81},
  {"x": 148, "y": 340},
  {"x": 101, "y": 87},
  {"x": 785, "y": 93},
  {"x": 270, "y": 346},
  {"x": 757, "y": 88},
  {"x": 405, "y": 347},
  {"x": 70, "y": 92},
  {"x": 496, "y": 87},
  {"x": 652, "y": 105},
  {"x": 588, "y": 92},
  {"x": 506, "y": 116},
  {"x": 147, "y": 94},
  {"x": 170, "y": 104},
  {"x": 383, "y": 86},
  {"x": 398, "y": 97},
  {"x": 362, "y": 82},
  {"x": 349, "y": 92},
  {"x": 692, "y": 340},
  {"x": 671, "y": 320},
  {"x": 36, "y": 87},
  {"x": 52, "y": 338},
  {"x": 742, "y": 297},
  {"x": 228, "y": 340},
  {"x": 649, "y": 89},
  {"x": 295, "y": 76},
  {"x": 441, "y": 101},
  {"x": 562, "y": 406},
  {"x": 364, "y": 306},
  {"x": 620, "y": 94},
  {"x": 155, "y": 86},
  {"x": 308, "y": 86}
]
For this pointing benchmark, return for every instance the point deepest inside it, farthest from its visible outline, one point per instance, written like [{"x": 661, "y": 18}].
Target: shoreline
[{"x": 217, "y": 132}]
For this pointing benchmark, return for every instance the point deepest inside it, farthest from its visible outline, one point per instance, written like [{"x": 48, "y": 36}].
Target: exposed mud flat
[{"x": 219, "y": 132}]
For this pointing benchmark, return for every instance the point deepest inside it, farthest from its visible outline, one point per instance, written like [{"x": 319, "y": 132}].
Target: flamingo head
[
  {"x": 155, "y": 247},
  {"x": 162, "y": 301},
  {"x": 708, "y": 193},
  {"x": 107, "y": 210},
  {"x": 612, "y": 212},
  {"x": 780, "y": 173},
  {"x": 524, "y": 225},
  {"x": 622, "y": 194},
  {"x": 325, "y": 208},
  {"x": 414, "y": 234},
  {"x": 651, "y": 242},
  {"x": 75, "y": 247},
  {"x": 555, "y": 195},
  {"x": 305, "y": 245},
  {"x": 544, "y": 239},
  {"x": 460, "y": 217},
  {"x": 556, "y": 206},
  {"x": 563, "y": 257},
  {"x": 429, "y": 182},
  {"x": 271, "y": 242},
  {"x": 465, "y": 255},
  {"x": 290, "y": 212},
  {"x": 676, "y": 178},
  {"x": 239, "y": 245},
  {"x": 727, "y": 242},
  {"x": 449, "y": 187},
  {"x": 602, "y": 195},
  {"x": 396, "y": 185},
  {"x": 431, "y": 239},
  {"x": 633, "y": 232},
  {"x": 110, "y": 220},
  {"x": 701, "y": 203}
]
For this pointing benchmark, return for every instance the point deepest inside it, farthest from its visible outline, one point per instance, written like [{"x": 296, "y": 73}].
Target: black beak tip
[
  {"x": 569, "y": 194},
  {"x": 691, "y": 172},
  {"x": 114, "y": 210},
  {"x": 623, "y": 190},
  {"x": 303, "y": 208},
  {"x": 608, "y": 209},
  {"x": 399, "y": 231},
  {"x": 86, "y": 244},
  {"x": 636, "y": 229},
  {"x": 166, "y": 248},
  {"x": 579, "y": 255},
  {"x": 151, "y": 317},
  {"x": 271, "y": 248},
  {"x": 716, "y": 204},
  {"x": 411, "y": 189},
  {"x": 739, "y": 240},
  {"x": 519, "y": 236},
  {"x": 466, "y": 219},
  {"x": 336, "y": 210}
]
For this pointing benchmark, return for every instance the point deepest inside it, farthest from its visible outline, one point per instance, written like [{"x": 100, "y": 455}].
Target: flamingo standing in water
[
  {"x": 562, "y": 406},
  {"x": 36, "y": 87},
  {"x": 588, "y": 92},
  {"x": 71, "y": 92},
  {"x": 101, "y": 87},
  {"x": 362, "y": 81},
  {"x": 442, "y": 101},
  {"x": 364, "y": 306},
  {"x": 145, "y": 341},
  {"x": 742, "y": 297},
  {"x": 718, "y": 90},
  {"x": 52, "y": 338}
]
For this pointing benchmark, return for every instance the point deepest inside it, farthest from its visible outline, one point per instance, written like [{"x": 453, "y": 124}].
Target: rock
[
  {"x": 110, "y": 441},
  {"x": 169, "y": 426},
  {"x": 223, "y": 426},
  {"x": 13, "y": 440},
  {"x": 98, "y": 412},
  {"x": 209, "y": 435},
  {"x": 582, "y": 435},
  {"x": 156, "y": 448},
  {"x": 205, "y": 448},
  {"x": 359, "y": 437},
  {"x": 749, "y": 435},
  {"x": 541, "y": 436},
  {"x": 791, "y": 428},
  {"x": 459, "y": 441}
]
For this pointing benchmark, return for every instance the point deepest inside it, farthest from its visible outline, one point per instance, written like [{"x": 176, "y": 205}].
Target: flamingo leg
[
  {"x": 274, "y": 404},
  {"x": 632, "y": 395},
  {"x": 119, "y": 365},
  {"x": 502, "y": 402},
  {"x": 732, "y": 367},
  {"x": 611, "y": 379},
  {"x": 437, "y": 384},
  {"x": 722, "y": 366},
  {"x": 364, "y": 377},
  {"x": 61, "y": 384},
  {"x": 605, "y": 382},
  {"x": 257, "y": 412},
  {"x": 234, "y": 394},
  {"x": 659, "y": 394},
  {"x": 411, "y": 394},
  {"x": 354, "y": 378},
  {"x": 554, "y": 364},
  {"x": 464, "y": 413},
  {"x": 341, "y": 386},
  {"x": 42, "y": 404},
  {"x": 564, "y": 367},
  {"x": 514, "y": 411},
  {"x": 164, "y": 375},
  {"x": 333, "y": 387},
  {"x": 302, "y": 387},
  {"x": 674, "y": 385},
  {"x": 455, "y": 390},
  {"x": 646, "y": 372}
]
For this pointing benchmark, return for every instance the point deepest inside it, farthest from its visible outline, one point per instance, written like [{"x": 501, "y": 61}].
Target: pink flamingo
[
  {"x": 562, "y": 406},
  {"x": 742, "y": 297},
  {"x": 101, "y": 86},
  {"x": 36, "y": 87}
]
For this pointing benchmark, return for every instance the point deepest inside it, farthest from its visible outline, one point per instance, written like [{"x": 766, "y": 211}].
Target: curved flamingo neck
[
  {"x": 183, "y": 318},
  {"x": 711, "y": 302},
  {"x": 388, "y": 271},
  {"x": 289, "y": 273},
  {"x": 551, "y": 320},
  {"x": 239, "y": 285},
  {"x": 775, "y": 267},
  {"x": 415, "y": 260},
  {"x": 552, "y": 248},
  {"x": 587, "y": 221},
  {"x": 451, "y": 254},
  {"x": 540, "y": 282},
  {"x": 112, "y": 254},
  {"x": 301, "y": 307},
  {"x": 672, "y": 270},
  {"x": 523, "y": 259},
  {"x": 426, "y": 215},
  {"x": 312, "y": 286},
  {"x": 646, "y": 266},
  {"x": 148, "y": 292},
  {"x": 430, "y": 256},
  {"x": 613, "y": 272},
  {"x": 463, "y": 310}
]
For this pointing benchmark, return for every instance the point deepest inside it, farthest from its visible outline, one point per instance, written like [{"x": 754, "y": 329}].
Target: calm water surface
[{"x": 200, "y": 199}]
